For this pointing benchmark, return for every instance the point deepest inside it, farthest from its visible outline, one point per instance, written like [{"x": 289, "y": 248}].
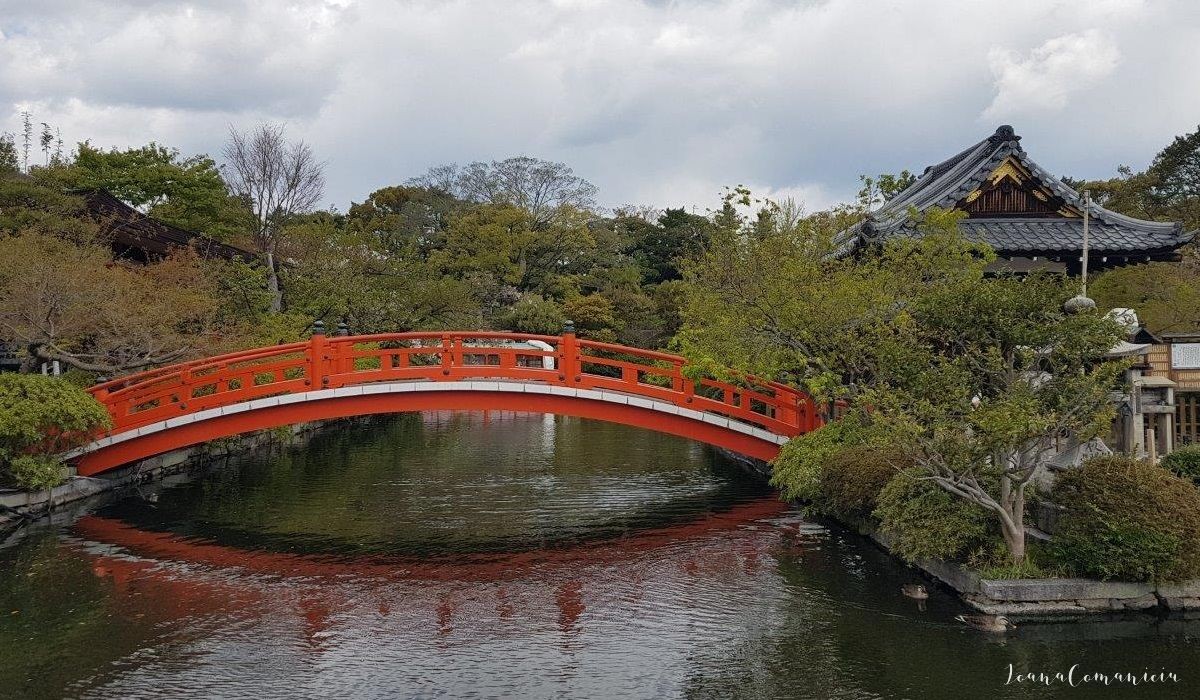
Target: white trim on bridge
[{"x": 505, "y": 386}]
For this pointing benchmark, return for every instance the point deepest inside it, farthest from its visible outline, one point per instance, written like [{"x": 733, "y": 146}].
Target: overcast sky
[{"x": 656, "y": 102}]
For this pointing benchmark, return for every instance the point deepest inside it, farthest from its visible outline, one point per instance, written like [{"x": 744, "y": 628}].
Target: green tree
[
  {"x": 660, "y": 247},
  {"x": 595, "y": 317},
  {"x": 494, "y": 240},
  {"x": 30, "y": 204},
  {"x": 1167, "y": 190},
  {"x": 534, "y": 314},
  {"x": 971, "y": 378},
  {"x": 185, "y": 192},
  {"x": 1175, "y": 180},
  {"x": 40, "y": 418},
  {"x": 408, "y": 221},
  {"x": 880, "y": 189},
  {"x": 75, "y": 304},
  {"x": 345, "y": 273},
  {"x": 9, "y": 161},
  {"x": 1165, "y": 295}
]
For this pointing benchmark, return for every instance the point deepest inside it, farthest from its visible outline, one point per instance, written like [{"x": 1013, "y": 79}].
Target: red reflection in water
[
  {"x": 570, "y": 605},
  {"x": 504, "y": 608},
  {"x": 170, "y": 578}
]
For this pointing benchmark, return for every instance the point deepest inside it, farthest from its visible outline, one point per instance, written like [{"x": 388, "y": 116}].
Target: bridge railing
[{"x": 330, "y": 362}]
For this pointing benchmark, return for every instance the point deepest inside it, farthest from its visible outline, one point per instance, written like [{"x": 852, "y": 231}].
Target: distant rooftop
[{"x": 142, "y": 237}]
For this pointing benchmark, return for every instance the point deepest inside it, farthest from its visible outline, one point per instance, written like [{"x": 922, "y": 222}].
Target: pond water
[{"x": 509, "y": 555}]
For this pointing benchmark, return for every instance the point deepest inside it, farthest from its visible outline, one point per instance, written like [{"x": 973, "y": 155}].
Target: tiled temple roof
[{"x": 948, "y": 183}]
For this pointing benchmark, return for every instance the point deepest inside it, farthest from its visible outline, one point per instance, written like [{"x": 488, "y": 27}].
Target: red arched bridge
[{"x": 339, "y": 376}]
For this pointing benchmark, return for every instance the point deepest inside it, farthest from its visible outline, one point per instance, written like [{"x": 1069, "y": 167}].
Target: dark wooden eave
[{"x": 137, "y": 236}]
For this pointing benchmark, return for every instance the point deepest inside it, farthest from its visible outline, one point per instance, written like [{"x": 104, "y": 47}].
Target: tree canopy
[
  {"x": 1163, "y": 294},
  {"x": 73, "y": 303},
  {"x": 971, "y": 377},
  {"x": 544, "y": 189}
]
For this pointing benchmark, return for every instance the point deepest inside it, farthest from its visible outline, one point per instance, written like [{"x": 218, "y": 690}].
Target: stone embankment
[{"x": 1061, "y": 598}]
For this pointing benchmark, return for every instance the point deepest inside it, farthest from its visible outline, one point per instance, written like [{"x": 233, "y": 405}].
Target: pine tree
[{"x": 47, "y": 140}]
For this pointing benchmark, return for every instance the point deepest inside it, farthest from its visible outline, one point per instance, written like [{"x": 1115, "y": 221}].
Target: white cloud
[
  {"x": 1044, "y": 79},
  {"x": 657, "y": 102}
]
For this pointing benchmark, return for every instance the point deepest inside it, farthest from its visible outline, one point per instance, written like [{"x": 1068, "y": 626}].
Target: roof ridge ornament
[{"x": 1004, "y": 133}]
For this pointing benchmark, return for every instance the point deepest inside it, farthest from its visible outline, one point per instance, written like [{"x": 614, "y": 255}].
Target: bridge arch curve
[{"x": 187, "y": 404}]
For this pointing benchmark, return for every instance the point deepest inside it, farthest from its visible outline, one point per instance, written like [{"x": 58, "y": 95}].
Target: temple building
[{"x": 1031, "y": 218}]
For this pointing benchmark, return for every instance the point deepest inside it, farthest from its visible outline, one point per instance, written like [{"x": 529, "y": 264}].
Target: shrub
[
  {"x": 595, "y": 317},
  {"x": 36, "y": 472},
  {"x": 925, "y": 522},
  {"x": 851, "y": 479},
  {"x": 534, "y": 314},
  {"x": 41, "y": 417},
  {"x": 796, "y": 472},
  {"x": 997, "y": 564},
  {"x": 1127, "y": 519},
  {"x": 1184, "y": 462}
]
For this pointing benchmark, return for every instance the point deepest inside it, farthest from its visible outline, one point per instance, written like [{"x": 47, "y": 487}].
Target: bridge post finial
[
  {"x": 318, "y": 327},
  {"x": 343, "y": 329},
  {"x": 569, "y": 326}
]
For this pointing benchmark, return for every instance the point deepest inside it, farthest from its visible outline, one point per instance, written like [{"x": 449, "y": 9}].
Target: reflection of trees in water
[
  {"x": 430, "y": 483},
  {"x": 67, "y": 621},
  {"x": 45, "y": 595},
  {"x": 847, "y": 632}
]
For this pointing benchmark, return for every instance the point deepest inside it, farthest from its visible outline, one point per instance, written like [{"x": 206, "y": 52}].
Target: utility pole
[
  {"x": 1081, "y": 302},
  {"x": 1087, "y": 213}
]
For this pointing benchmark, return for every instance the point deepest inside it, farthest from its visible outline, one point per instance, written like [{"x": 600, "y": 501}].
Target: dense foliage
[
  {"x": 516, "y": 244},
  {"x": 187, "y": 192},
  {"x": 1165, "y": 295},
  {"x": 1127, "y": 519},
  {"x": 71, "y": 302},
  {"x": 798, "y": 469},
  {"x": 852, "y": 479},
  {"x": 924, "y": 521},
  {"x": 1184, "y": 462},
  {"x": 41, "y": 417},
  {"x": 964, "y": 379}
]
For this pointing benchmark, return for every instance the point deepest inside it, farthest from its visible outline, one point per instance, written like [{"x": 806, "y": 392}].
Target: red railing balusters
[
  {"x": 572, "y": 367},
  {"x": 317, "y": 375},
  {"x": 446, "y": 356}
]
